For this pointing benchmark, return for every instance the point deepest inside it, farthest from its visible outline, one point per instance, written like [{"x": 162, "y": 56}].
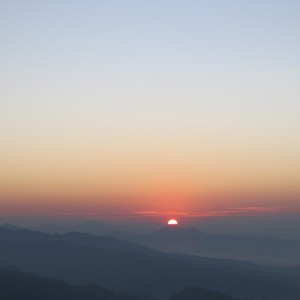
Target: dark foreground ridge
[
  {"x": 196, "y": 293},
  {"x": 20, "y": 286},
  {"x": 16, "y": 285}
]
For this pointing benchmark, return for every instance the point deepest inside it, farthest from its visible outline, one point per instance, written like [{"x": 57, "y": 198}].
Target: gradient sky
[{"x": 149, "y": 106}]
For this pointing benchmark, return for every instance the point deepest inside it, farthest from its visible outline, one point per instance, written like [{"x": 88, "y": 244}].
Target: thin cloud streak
[
  {"x": 239, "y": 211},
  {"x": 231, "y": 212}
]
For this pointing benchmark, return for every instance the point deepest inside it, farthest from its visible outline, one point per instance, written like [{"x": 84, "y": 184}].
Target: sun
[{"x": 172, "y": 222}]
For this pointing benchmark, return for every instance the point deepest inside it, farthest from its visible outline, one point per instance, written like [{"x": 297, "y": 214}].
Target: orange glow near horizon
[
  {"x": 152, "y": 110},
  {"x": 171, "y": 169}
]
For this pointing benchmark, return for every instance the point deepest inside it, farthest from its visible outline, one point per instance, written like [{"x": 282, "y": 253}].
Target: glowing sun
[{"x": 172, "y": 222}]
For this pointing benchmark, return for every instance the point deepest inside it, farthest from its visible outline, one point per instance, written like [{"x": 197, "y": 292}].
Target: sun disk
[{"x": 172, "y": 222}]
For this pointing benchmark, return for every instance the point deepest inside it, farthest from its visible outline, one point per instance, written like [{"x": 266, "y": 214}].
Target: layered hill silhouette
[
  {"x": 90, "y": 227},
  {"x": 196, "y": 293},
  {"x": 20, "y": 286},
  {"x": 263, "y": 250},
  {"x": 126, "y": 267},
  {"x": 267, "y": 250}
]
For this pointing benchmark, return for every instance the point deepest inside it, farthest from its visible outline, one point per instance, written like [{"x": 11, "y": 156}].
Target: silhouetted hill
[
  {"x": 73, "y": 238},
  {"x": 124, "y": 266},
  {"x": 266, "y": 250},
  {"x": 103, "y": 242},
  {"x": 90, "y": 227},
  {"x": 196, "y": 293},
  {"x": 22, "y": 286},
  {"x": 11, "y": 226}
]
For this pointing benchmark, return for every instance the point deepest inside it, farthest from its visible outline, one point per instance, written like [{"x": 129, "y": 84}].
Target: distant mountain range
[
  {"x": 11, "y": 226},
  {"x": 265, "y": 250},
  {"x": 90, "y": 227},
  {"x": 127, "y": 267}
]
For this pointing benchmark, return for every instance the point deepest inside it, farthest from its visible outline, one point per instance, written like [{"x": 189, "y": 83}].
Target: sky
[{"x": 144, "y": 108}]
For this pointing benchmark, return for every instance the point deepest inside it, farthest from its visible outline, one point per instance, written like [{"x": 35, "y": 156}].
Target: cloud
[{"x": 236, "y": 211}]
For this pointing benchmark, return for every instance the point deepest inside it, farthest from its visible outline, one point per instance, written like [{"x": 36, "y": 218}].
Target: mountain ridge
[
  {"x": 263, "y": 250},
  {"x": 126, "y": 270}
]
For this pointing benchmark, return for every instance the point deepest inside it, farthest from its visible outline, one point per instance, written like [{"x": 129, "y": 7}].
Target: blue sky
[{"x": 148, "y": 96}]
